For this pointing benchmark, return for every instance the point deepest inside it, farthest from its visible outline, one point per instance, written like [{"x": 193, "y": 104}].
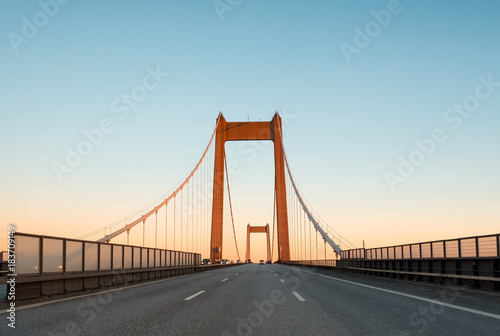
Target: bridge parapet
[
  {"x": 472, "y": 261},
  {"x": 46, "y": 265},
  {"x": 469, "y": 247}
]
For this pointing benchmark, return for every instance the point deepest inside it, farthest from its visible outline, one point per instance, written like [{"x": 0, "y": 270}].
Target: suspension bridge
[
  {"x": 194, "y": 210},
  {"x": 169, "y": 239}
]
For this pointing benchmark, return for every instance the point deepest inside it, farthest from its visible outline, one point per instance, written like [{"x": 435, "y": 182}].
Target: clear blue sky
[{"x": 350, "y": 121}]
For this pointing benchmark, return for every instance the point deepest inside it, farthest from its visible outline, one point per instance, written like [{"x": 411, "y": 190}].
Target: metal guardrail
[
  {"x": 47, "y": 265},
  {"x": 469, "y": 261},
  {"x": 469, "y": 247},
  {"x": 47, "y": 255},
  {"x": 327, "y": 262}
]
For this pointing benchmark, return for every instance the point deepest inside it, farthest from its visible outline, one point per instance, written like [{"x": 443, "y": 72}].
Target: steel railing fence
[
  {"x": 469, "y": 247},
  {"x": 39, "y": 255},
  {"x": 327, "y": 262}
]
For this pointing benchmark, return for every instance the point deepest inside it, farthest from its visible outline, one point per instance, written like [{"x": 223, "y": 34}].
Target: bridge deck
[{"x": 269, "y": 300}]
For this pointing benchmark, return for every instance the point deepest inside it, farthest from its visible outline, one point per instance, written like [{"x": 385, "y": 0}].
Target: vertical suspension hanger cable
[
  {"x": 305, "y": 232},
  {"x": 197, "y": 211},
  {"x": 205, "y": 205},
  {"x": 192, "y": 217},
  {"x": 166, "y": 225},
  {"x": 301, "y": 233},
  {"x": 310, "y": 239},
  {"x": 143, "y": 232},
  {"x": 316, "y": 244},
  {"x": 181, "y": 216},
  {"x": 230, "y": 205},
  {"x": 175, "y": 206},
  {"x": 299, "y": 227},
  {"x": 274, "y": 217}
]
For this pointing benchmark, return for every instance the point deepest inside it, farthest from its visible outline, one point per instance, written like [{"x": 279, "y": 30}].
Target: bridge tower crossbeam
[{"x": 248, "y": 131}]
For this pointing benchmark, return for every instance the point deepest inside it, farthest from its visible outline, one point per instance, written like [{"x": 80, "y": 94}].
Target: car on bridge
[
  {"x": 261, "y": 262},
  {"x": 206, "y": 261}
]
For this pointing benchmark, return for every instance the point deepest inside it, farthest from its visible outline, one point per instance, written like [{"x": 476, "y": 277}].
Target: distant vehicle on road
[
  {"x": 269, "y": 262},
  {"x": 206, "y": 261},
  {"x": 261, "y": 262},
  {"x": 224, "y": 261},
  {"x": 238, "y": 261}
]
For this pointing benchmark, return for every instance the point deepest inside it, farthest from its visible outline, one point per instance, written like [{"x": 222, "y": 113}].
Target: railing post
[
  {"x": 64, "y": 256},
  {"x": 83, "y": 257},
  {"x": 112, "y": 257},
  {"x": 459, "y": 248},
  {"x": 98, "y": 257},
  {"x": 498, "y": 245},
  {"x": 477, "y": 247},
  {"x": 40, "y": 261}
]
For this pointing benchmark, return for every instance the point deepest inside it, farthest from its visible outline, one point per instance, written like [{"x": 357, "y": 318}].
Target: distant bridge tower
[
  {"x": 254, "y": 229},
  {"x": 246, "y": 131}
]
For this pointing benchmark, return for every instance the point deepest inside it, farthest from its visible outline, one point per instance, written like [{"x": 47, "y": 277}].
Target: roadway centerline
[
  {"x": 297, "y": 295},
  {"x": 194, "y": 295},
  {"x": 225, "y": 279},
  {"x": 449, "y": 305}
]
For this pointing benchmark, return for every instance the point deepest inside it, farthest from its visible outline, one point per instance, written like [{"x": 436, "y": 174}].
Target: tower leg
[
  {"x": 281, "y": 206},
  {"x": 218, "y": 193}
]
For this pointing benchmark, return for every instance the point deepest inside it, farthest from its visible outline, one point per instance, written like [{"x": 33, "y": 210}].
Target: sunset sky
[{"x": 391, "y": 109}]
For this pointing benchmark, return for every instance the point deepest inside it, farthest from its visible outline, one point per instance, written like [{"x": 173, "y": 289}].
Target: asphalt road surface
[{"x": 254, "y": 299}]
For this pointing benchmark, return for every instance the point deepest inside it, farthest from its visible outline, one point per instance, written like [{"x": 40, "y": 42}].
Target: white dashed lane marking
[
  {"x": 194, "y": 295},
  {"x": 300, "y": 298}
]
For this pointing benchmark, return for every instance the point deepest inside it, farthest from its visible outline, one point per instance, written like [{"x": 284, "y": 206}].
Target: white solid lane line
[
  {"x": 470, "y": 310},
  {"x": 225, "y": 279},
  {"x": 194, "y": 295},
  {"x": 300, "y": 298}
]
